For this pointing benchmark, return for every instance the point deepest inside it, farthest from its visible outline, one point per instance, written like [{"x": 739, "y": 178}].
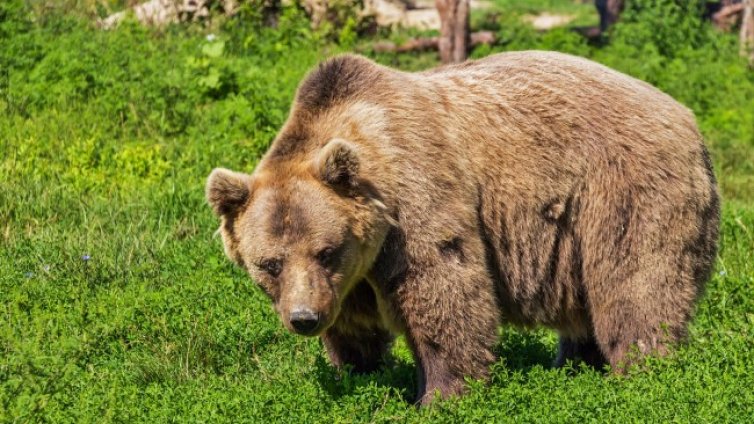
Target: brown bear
[{"x": 531, "y": 188}]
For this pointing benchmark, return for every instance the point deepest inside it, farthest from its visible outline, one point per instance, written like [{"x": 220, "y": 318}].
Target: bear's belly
[{"x": 536, "y": 264}]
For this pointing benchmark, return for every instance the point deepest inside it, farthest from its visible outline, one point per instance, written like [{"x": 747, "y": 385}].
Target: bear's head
[{"x": 306, "y": 231}]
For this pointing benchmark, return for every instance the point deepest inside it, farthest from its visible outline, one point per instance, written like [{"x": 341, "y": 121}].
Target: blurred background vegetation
[{"x": 116, "y": 303}]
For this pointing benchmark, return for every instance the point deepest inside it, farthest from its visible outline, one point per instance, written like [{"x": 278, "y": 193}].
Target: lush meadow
[{"x": 117, "y": 304}]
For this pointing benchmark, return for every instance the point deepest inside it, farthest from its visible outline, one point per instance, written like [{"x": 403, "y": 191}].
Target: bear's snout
[{"x": 304, "y": 321}]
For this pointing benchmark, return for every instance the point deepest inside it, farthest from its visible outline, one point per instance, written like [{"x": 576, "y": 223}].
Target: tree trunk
[
  {"x": 609, "y": 11},
  {"x": 454, "y": 30},
  {"x": 747, "y": 31}
]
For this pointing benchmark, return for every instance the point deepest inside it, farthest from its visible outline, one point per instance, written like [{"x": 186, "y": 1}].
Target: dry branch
[{"x": 727, "y": 16}]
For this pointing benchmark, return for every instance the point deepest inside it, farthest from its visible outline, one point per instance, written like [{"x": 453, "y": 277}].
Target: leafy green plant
[
  {"x": 213, "y": 75},
  {"x": 668, "y": 26}
]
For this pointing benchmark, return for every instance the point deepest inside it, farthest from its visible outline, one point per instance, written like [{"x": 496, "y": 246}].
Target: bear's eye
[
  {"x": 271, "y": 266},
  {"x": 326, "y": 257}
]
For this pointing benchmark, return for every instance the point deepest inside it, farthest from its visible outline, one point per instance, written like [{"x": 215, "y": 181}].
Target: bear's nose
[{"x": 304, "y": 321}]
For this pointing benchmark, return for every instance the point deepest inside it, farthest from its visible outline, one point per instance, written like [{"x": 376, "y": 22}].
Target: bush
[{"x": 667, "y": 26}]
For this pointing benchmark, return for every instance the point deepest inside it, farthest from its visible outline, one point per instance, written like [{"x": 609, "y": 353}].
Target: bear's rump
[{"x": 551, "y": 259}]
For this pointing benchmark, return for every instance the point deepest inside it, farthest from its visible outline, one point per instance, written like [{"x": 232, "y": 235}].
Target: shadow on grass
[
  {"x": 522, "y": 351},
  {"x": 396, "y": 374}
]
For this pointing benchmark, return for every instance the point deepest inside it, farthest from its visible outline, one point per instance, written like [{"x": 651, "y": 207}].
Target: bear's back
[
  {"x": 568, "y": 94},
  {"x": 538, "y": 118}
]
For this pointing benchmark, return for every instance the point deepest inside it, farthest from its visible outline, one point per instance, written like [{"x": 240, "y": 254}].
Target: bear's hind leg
[
  {"x": 635, "y": 322},
  {"x": 646, "y": 256}
]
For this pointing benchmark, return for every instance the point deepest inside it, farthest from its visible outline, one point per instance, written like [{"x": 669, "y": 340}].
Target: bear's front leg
[
  {"x": 358, "y": 338},
  {"x": 451, "y": 317},
  {"x": 363, "y": 350}
]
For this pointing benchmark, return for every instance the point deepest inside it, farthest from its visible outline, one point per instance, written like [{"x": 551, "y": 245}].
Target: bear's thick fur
[{"x": 531, "y": 188}]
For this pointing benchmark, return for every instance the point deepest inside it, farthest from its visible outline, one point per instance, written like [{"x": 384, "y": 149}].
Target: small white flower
[{"x": 211, "y": 37}]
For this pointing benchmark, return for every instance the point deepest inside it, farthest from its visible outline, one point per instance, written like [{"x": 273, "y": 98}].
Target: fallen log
[{"x": 429, "y": 43}]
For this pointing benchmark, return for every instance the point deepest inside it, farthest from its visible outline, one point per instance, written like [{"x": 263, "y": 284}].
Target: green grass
[
  {"x": 583, "y": 13},
  {"x": 105, "y": 141}
]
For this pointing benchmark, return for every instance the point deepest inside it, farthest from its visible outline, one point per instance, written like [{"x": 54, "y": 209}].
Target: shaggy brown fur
[{"x": 531, "y": 188}]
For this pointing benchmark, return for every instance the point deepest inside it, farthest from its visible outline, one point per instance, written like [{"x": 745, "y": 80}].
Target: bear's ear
[
  {"x": 227, "y": 191},
  {"x": 337, "y": 164}
]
